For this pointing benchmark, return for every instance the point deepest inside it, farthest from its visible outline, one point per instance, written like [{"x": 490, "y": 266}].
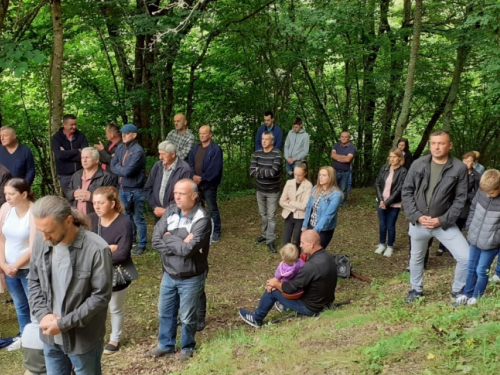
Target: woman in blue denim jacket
[{"x": 321, "y": 210}]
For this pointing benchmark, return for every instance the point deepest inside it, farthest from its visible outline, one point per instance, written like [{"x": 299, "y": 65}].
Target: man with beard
[{"x": 70, "y": 284}]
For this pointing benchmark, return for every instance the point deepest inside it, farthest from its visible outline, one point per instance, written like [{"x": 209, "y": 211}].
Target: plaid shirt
[
  {"x": 184, "y": 142},
  {"x": 165, "y": 178},
  {"x": 314, "y": 212}
]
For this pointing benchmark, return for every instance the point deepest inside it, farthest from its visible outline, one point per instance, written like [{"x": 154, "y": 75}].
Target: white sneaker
[
  {"x": 472, "y": 301},
  {"x": 16, "y": 345},
  {"x": 380, "y": 249},
  {"x": 388, "y": 251},
  {"x": 494, "y": 279},
  {"x": 460, "y": 300}
]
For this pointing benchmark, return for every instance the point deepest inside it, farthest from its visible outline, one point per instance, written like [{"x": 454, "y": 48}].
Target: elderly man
[
  {"x": 164, "y": 175},
  {"x": 182, "y": 236},
  {"x": 87, "y": 180},
  {"x": 16, "y": 157},
  {"x": 317, "y": 279},
  {"x": 129, "y": 164},
  {"x": 67, "y": 143},
  {"x": 266, "y": 168},
  {"x": 70, "y": 285},
  {"x": 181, "y": 137},
  {"x": 296, "y": 145},
  {"x": 205, "y": 161},
  {"x": 269, "y": 126},
  {"x": 342, "y": 155},
  {"x": 114, "y": 138},
  {"x": 433, "y": 196}
]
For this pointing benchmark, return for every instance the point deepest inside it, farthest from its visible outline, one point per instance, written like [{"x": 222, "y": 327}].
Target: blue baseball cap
[{"x": 128, "y": 128}]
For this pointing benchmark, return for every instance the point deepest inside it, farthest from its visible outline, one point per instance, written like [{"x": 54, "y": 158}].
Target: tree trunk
[
  {"x": 55, "y": 80},
  {"x": 4, "y": 5},
  {"x": 410, "y": 79}
]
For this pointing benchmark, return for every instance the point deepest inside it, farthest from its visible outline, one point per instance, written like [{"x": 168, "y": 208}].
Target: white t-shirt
[{"x": 17, "y": 233}]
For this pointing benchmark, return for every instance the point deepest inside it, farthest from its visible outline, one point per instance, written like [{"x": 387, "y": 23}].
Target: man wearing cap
[
  {"x": 67, "y": 144},
  {"x": 129, "y": 164}
]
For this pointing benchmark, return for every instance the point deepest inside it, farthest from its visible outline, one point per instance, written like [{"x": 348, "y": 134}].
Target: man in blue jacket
[
  {"x": 129, "y": 164},
  {"x": 269, "y": 126},
  {"x": 164, "y": 175},
  {"x": 16, "y": 157},
  {"x": 67, "y": 145},
  {"x": 205, "y": 161}
]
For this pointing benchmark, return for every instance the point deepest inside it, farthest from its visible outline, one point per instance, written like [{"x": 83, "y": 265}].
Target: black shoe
[
  {"x": 413, "y": 295},
  {"x": 111, "y": 349},
  {"x": 138, "y": 251},
  {"x": 260, "y": 239},
  {"x": 200, "y": 324},
  {"x": 272, "y": 247}
]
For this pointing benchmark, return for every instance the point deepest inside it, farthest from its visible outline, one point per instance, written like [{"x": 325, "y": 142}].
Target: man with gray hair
[
  {"x": 86, "y": 180},
  {"x": 16, "y": 157},
  {"x": 70, "y": 285},
  {"x": 164, "y": 175},
  {"x": 266, "y": 168},
  {"x": 182, "y": 237}
]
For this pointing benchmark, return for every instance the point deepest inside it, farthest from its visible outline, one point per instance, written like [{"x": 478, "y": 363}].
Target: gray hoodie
[{"x": 297, "y": 145}]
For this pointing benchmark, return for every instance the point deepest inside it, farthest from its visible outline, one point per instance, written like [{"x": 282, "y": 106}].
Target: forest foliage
[{"x": 339, "y": 65}]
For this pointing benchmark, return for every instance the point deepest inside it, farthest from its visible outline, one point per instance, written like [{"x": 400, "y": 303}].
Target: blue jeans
[
  {"x": 18, "y": 289},
  {"x": 134, "y": 200},
  {"x": 183, "y": 296},
  {"x": 387, "y": 224},
  {"x": 267, "y": 302},
  {"x": 477, "y": 270},
  {"x": 59, "y": 363},
  {"x": 210, "y": 196},
  {"x": 343, "y": 182},
  {"x": 290, "y": 167}
]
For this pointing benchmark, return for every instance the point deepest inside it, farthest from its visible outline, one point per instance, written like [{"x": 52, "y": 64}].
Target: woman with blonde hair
[
  {"x": 109, "y": 222},
  {"x": 388, "y": 186},
  {"x": 321, "y": 210}
]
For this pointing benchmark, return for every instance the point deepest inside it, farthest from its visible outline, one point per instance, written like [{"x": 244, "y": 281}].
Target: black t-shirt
[{"x": 318, "y": 280}]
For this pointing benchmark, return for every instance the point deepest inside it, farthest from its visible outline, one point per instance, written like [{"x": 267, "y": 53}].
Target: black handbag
[{"x": 123, "y": 273}]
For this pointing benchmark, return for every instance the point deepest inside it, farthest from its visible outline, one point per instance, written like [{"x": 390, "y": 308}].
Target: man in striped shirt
[{"x": 266, "y": 168}]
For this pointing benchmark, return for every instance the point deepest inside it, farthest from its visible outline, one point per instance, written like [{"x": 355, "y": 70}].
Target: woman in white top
[{"x": 17, "y": 233}]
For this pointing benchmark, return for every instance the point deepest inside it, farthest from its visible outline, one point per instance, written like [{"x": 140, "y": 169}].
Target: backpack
[{"x": 343, "y": 265}]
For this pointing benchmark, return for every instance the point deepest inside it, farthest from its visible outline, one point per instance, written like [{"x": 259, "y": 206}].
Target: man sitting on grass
[{"x": 317, "y": 279}]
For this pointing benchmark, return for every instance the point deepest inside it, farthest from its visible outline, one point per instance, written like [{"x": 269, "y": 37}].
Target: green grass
[{"x": 377, "y": 333}]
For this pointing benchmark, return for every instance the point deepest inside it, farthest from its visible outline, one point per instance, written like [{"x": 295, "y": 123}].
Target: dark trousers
[
  {"x": 64, "y": 181},
  {"x": 209, "y": 195},
  {"x": 292, "y": 230},
  {"x": 387, "y": 224}
]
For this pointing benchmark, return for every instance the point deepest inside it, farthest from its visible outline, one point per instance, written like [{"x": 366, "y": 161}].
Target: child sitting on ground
[
  {"x": 483, "y": 226},
  {"x": 291, "y": 264}
]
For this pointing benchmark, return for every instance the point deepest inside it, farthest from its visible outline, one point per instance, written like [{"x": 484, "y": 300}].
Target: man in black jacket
[
  {"x": 164, "y": 175},
  {"x": 67, "y": 144},
  {"x": 114, "y": 137},
  {"x": 87, "y": 180},
  {"x": 182, "y": 236},
  {"x": 434, "y": 194},
  {"x": 317, "y": 279}
]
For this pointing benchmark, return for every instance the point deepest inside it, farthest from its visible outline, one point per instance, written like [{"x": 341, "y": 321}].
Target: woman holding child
[
  {"x": 294, "y": 200},
  {"x": 388, "y": 185},
  {"x": 321, "y": 210}
]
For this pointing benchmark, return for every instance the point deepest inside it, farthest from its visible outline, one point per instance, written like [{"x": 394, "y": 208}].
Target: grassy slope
[{"x": 376, "y": 333}]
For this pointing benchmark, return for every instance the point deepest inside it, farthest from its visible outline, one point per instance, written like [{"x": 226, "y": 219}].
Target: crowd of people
[{"x": 63, "y": 280}]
